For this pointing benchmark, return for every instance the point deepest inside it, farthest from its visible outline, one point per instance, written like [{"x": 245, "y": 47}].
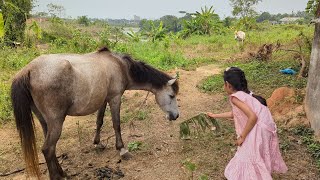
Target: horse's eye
[{"x": 171, "y": 96}]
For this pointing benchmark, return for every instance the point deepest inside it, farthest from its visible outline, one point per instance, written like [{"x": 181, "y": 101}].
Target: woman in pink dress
[{"x": 258, "y": 153}]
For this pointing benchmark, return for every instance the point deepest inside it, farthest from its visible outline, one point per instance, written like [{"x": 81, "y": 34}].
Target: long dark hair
[{"x": 235, "y": 76}]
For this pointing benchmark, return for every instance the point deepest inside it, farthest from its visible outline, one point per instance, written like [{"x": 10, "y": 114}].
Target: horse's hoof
[
  {"x": 125, "y": 154},
  {"x": 99, "y": 147}
]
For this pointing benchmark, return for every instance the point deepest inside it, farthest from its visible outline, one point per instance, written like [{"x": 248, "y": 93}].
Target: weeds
[
  {"x": 313, "y": 146},
  {"x": 262, "y": 77},
  {"x": 190, "y": 166},
  {"x": 134, "y": 146}
]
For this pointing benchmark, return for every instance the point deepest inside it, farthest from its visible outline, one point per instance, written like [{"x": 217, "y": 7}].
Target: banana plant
[
  {"x": 36, "y": 29},
  {"x": 157, "y": 32},
  {"x": 134, "y": 36}
]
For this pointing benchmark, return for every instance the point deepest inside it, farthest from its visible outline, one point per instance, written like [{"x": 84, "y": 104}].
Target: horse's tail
[{"x": 21, "y": 102}]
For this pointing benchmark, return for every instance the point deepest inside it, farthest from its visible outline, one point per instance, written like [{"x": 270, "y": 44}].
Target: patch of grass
[
  {"x": 5, "y": 103},
  {"x": 313, "y": 146},
  {"x": 262, "y": 77},
  {"x": 134, "y": 146}
]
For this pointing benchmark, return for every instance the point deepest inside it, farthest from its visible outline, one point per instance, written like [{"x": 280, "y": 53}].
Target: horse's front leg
[
  {"x": 99, "y": 123},
  {"x": 115, "y": 104}
]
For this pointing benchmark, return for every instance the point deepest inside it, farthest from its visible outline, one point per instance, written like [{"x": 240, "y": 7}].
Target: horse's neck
[{"x": 140, "y": 86}]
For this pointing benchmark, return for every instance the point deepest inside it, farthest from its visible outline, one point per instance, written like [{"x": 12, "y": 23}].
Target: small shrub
[{"x": 134, "y": 146}]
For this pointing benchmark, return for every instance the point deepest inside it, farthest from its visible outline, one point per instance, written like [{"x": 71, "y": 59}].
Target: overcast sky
[{"x": 154, "y": 9}]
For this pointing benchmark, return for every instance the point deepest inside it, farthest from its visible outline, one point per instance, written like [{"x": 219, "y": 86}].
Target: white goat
[{"x": 240, "y": 36}]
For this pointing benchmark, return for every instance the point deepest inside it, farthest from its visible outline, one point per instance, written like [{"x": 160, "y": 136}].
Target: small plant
[
  {"x": 203, "y": 177},
  {"x": 134, "y": 146},
  {"x": 190, "y": 166},
  {"x": 134, "y": 36},
  {"x": 306, "y": 135}
]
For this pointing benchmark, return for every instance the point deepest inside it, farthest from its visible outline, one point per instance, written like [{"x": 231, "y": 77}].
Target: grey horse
[{"x": 56, "y": 85}]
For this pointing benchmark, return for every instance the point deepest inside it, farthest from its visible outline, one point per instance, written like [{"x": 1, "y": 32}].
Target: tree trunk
[{"x": 312, "y": 102}]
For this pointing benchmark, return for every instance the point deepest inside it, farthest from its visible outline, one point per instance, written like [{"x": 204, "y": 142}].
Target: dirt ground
[{"x": 162, "y": 151}]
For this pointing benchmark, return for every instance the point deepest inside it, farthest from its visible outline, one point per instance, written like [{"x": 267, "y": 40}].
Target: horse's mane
[
  {"x": 103, "y": 49},
  {"x": 144, "y": 73}
]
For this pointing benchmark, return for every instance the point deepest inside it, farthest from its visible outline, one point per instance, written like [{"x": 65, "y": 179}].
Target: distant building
[{"x": 290, "y": 20}]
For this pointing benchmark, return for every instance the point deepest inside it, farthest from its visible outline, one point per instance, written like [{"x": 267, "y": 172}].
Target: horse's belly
[{"x": 82, "y": 107}]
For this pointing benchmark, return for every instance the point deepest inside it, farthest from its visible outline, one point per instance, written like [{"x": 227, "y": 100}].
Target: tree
[
  {"x": 15, "y": 14},
  {"x": 204, "y": 22},
  {"x": 245, "y": 10},
  {"x": 312, "y": 6},
  {"x": 171, "y": 23},
  {"x": 55, "y": 10},
  {"x": 265, "y": 16},
  {"x": 312, "y": 101},
  {"x": 84, "y": 20}
]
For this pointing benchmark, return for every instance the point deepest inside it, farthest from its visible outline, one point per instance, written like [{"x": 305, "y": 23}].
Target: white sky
[{"x": 154, "y": 9}]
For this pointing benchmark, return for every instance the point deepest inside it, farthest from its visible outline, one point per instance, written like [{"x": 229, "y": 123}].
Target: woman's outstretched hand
[{"x": 211, "y": 115}]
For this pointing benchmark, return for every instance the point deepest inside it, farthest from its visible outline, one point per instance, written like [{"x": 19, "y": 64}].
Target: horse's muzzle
[{"x": 172, "y": 117}]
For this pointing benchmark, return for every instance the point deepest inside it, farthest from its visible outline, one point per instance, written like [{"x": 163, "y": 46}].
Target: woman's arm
[
  {"x": 252, "y": 118},
  {"x": 222, "y": 115}
]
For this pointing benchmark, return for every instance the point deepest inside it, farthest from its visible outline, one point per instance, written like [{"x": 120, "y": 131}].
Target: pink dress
[{"x": 259, "y": 155}]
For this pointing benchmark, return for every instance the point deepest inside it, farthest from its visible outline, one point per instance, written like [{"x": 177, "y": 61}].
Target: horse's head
[{"x": 166, "y": 99}]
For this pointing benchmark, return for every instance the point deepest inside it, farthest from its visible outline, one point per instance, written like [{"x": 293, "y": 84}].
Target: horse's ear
[{"x": 170, "y": 82}]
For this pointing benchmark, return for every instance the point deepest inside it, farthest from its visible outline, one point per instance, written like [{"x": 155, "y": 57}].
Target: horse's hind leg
[
  {"x": 99, "y": 123},
  {"x": 49, "y": 147}
]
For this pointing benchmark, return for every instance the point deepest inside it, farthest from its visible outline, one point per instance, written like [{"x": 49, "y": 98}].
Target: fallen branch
[{"x": 22, "y": 169}]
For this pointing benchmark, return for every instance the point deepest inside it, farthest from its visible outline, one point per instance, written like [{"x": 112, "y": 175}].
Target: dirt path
[{"x": 162, "y": 151}]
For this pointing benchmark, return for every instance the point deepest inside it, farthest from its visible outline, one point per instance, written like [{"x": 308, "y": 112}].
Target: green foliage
[
  {"x": 157, "y": 32},
  {"x": 14, "y": 23},
  {"x": 189, "y": 165},
  {"x": 306, "y": 135},
  {"x": 134, "y": 36},
  {"x": 171, "y": 23},
  {"x": 83, "y": 20},
  {"x": 203, "y": 177},
  {"x": 206, "y": 22},
  {"x": 244, "y": 8},
  {"x": 312, "y": 6},
  {"x": 200, "y": 124},
  {"x": 36, "y": 29},
  {"x": 262, "y": 77},
  {"x": 1, "y": 26},
  {"x": 5, "y": 103},
  {"x": 134, "y": 146}
]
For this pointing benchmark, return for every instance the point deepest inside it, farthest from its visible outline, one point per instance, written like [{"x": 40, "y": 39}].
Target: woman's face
[{"x": 228, "y": 88}]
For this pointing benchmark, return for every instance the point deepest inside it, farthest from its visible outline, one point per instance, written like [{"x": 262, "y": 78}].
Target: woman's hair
[{"x": 235, "y": 76}]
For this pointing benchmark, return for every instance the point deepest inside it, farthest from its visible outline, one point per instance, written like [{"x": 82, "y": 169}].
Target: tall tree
[
  {"x": 312, "y": 6},
  {"x": 245, "y": 10},
  {"x": 312, "y": 101},
  {"x": 15, "y": 14},
  {"x": 56, "y": 10},
  {"x": 171, "y": 23}
]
